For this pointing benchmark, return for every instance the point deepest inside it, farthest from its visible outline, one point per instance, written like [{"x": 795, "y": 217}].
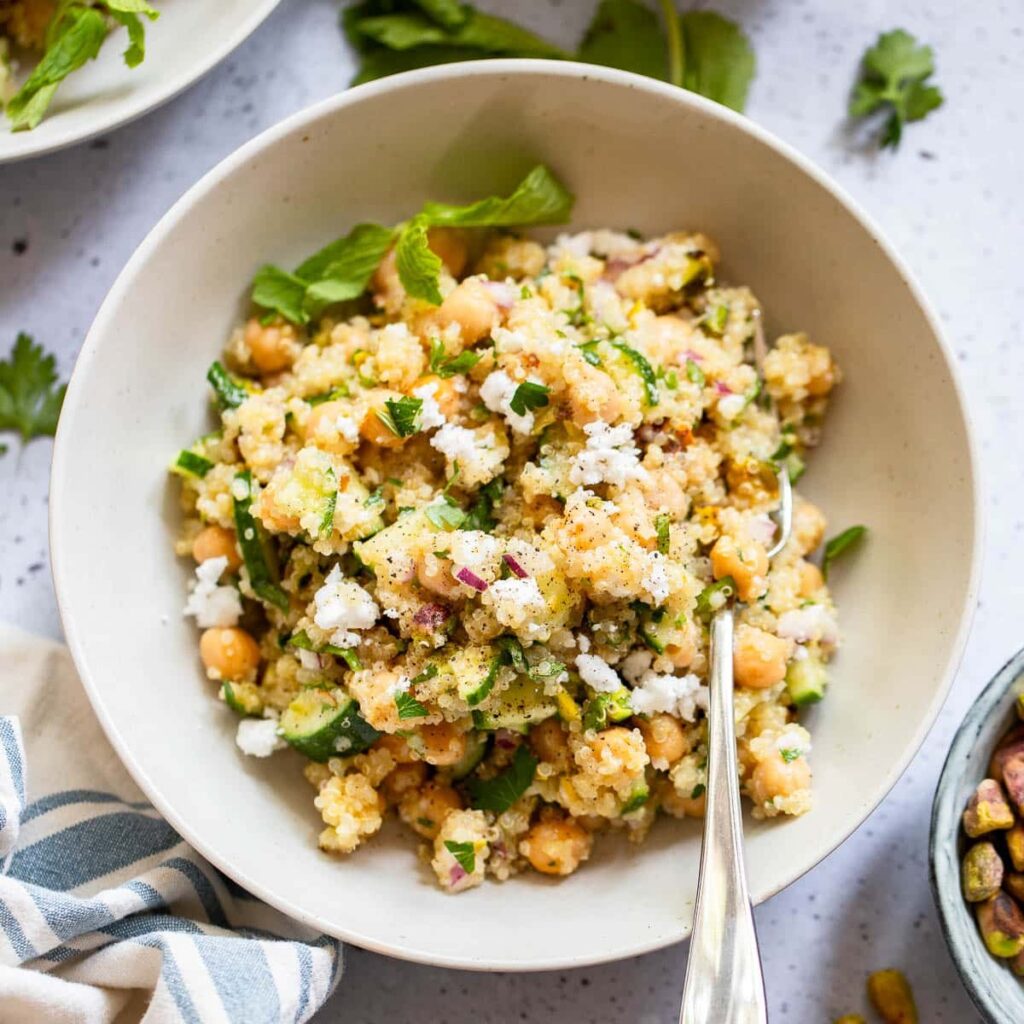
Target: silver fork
[{"x": 724, "y": 981}]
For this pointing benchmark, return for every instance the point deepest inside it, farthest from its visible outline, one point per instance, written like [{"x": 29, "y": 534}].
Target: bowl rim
[
  {"x": 948, "y": 900},
  {"x": 310, "y": 116},
  {"x": 259, "y": 11}
]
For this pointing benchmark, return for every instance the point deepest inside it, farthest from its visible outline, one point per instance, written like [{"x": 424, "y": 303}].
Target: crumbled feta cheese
[
  {"x": 308, "y": 659},
  {"x": 211, "y": 604},
  {"x": 597, "y": 673},
  {"x": 342, "y": 605},
  {"x": 815, "y": 622},
  {"x": 496, "y": 393},
  {"x": 258, "y": 737},
  {"x": 455, "y": 443},
  {"x": 794, "y": 737},
  {"x": 609, "y": 457},
  {"x": 635, "y": 664},
  {"x": 583, "y": 642},
  {"x": 479, "y": 454},
  {"x": 347, "y": 428},
  {"x": 730, "y": 407},
  {"x": 475, "y": 550},
  {"x": 517, "y": 604},
  {"x": 430, "y": 412},
  {"x": 678, "y": 695},
  {"x": 655, "y": 580}
]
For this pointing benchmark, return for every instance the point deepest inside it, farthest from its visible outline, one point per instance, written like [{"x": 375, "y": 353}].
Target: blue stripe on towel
[
  {"x": 12, "y": 754},
  {"x": 242, "y": 977},
  {"x": 23, "y": 949},
  {"x": 68, "y": 797}
]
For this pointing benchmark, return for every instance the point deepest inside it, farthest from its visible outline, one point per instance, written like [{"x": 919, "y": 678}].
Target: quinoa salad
[{"x": 460, "y": 551}]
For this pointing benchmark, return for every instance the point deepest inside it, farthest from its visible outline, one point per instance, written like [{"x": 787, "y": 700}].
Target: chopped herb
[
  {"x": 578, "y": 315},
  {"x": 605, "y": 709},
  {"x": 347, "y": 655},
  {"x": 375, "y": 497},
  {"x": 449, "y": 366},
  {"x": 789, "y": 754},
  {"x": 839, "y": 545},
  {"x": 513, "y": 653},
  {"x": 428, "y": 673},
  {"x": 529, "y": 395},
  {"x": 501, "y": 792},
  {"x": 340, "y": 391},
  {"x": 464, "y": 854},
  {"x": 229, "y": 392},
  {"x": 694, "y": 374},
  {"x": 640, "y": 364},
  {"x": 714, "y": 597},
  {"x": 663, "y": 526},
  {"x": 450, "y": 483},
  {"x": 481, "y": 513},
  {"x": 716, "y": 318},
  {"x": 327, "y": 519},
  {"x": 408, "y": 706},
  {"x": 589, "y": 351},
  {"x": 698, "y": 791},
  {"x": 636, "y": 800},
  {"x": 893, "y": 78},
  {"x": 445, "y": 516},
  {"x": 400, "y": 416}
]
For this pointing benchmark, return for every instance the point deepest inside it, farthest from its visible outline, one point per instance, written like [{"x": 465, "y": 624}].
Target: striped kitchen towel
[{"x": 105, "y": 912}]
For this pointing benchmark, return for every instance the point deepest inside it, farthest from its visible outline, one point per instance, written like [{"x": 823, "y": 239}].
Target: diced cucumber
[
  {"x": 604, "y": 709},
  {"x": 637, "y": 798},
  {"x": 326, "y": 723},
  {"x": 523, "y": 704},
  {"x": 806, "y": 680},
  {"x": 474, "y": 691},
  {"x": 254, "y": 547},
  {"x": 243, "y": 698},
  {"x": 229, "y": 392},
  {"x": 476, "y": 747},
  {"x": 189, "y": 463},
  {"x": 349, "y": 655}
]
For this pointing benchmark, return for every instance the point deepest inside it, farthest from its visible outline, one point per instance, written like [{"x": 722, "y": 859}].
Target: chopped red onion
[
  {"x": 471, "y": 579},
  {"x": 433, "y": 616},
  {"x": 456, "y": 874},
  {"x": 722, "y": 389},
  {"x": 506, "y": 739},
  {"x": 514, "y": 565},
  {"x": 693, "y": 356}
]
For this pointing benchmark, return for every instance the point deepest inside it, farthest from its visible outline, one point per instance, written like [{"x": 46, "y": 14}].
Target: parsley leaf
[
  {"x": 400, "y": 416},
  {"x": 789, "y": 754},
  {"x": 481, "y": 513},
  {"x": 893, "y": 78},
  {"x": 408, "y": 706},
  {"x": 839, "y": 545},
  {"x": 445, "y": 516},
  {"x": 29, "y": 402},
  {"x": 501, "y": 792},
  {"x": 448, "y": 366},
  {"x": 464, "y": 854},
  {"x": 529, "y": 395}
]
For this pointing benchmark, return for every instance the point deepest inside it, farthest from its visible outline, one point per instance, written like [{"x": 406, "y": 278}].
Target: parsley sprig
[
  {"x": 30, "y": 399},
  {"x": 401, "y": 415},
  {"x": 894, "y": 80}
]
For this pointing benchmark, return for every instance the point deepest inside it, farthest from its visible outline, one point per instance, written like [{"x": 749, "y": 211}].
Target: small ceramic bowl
[{"x": 997, "y": 993}]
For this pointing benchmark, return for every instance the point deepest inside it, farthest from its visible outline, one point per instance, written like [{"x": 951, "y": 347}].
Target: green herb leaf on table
[
  {"x": 464, "y": 854},
  {"x": 408, "y": 706},
  {"x": 626, "y": 34},
  {"x": 893, "y": 78},
  {"x": 840, "y": 545},
  {"x": 501, "y": 792},
  {"x": 719, "y": 61},
  {"x": 29, "y": 400},
  {"x": 529, "y": 395},
  {"x": 401, "y": 415}
]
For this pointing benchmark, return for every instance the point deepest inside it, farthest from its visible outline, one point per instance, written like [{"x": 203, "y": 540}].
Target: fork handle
[{"x": 724, "y": 983}]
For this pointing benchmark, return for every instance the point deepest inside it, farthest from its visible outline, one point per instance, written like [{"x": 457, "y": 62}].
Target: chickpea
[
  {"x": 550, "y": 743},
  {"x": 445, "y": 394},
  {"x": 436, "y": 575},
  {"x": 556, "y": 847},
  {"x": 680, "y": 806},
  {"x": 398, "y": 748},
  {"x": 810, "y": 579},
  {"x": 443, "y": 744},
  {"x": 617, "y": 743},
  {"x": 664, "y": 739},
  {"x": 747, "y": 564},
  {"x": 217, "y": 542},
  {"x": 321, "y": 427},
  {"x": 450, "y": 245},
  {"x": 273, "y": 347},
  {"x": 759, "y": 659},
  {"x": 402, "y": 779},
  {"x": 774, "y": 777},
  {"x": 472, "y": 307},
  {"x": 229, "y": 653},
  {"x": 425, "y": 809}
]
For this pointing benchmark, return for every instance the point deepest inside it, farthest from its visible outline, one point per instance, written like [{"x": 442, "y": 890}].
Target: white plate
[
  {"x": 185, "y": 42},
  {"x": 897, "y": 456}
]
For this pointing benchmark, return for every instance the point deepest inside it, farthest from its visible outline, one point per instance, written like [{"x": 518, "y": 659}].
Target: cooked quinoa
[
  {"x": 463, "y": 556},
  {"x": 25, "y": 21}
]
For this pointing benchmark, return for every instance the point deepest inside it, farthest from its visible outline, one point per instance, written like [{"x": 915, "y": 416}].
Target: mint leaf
[
  {"x": 719, "y": 62},
  {"x": 342, "y": 270},
  {"x": 501, "y": 792},
  {"x": 540, "y": 198},
  {"x": 840, "y": 545},
  {"x": 419, "y": 267},
  {"x": 126, "y": 13},
  {"x": 275, "y": 289},
  {"x": 29, "y": 402},
  {"x": 626, "y": 34},
  {"x": 380, "y": 63},
  {"x": 74, "y": 39},
  {"x": 408, "y": 706},
  {"x": 464, "y": 854},
  {"x": 529, "y": 395},
  {"x": 893, "y": 78},
  {"x": 400, "y": 415},
  {"x": 450, "y": 13}
]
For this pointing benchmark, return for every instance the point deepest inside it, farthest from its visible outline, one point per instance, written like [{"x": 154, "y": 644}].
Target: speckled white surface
[{"x": 949, "y": 200}]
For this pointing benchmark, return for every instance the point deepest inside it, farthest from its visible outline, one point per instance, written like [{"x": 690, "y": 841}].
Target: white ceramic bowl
[
  {"x": 897, "y": 456},
  {"x": 189, "y": 37}
]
